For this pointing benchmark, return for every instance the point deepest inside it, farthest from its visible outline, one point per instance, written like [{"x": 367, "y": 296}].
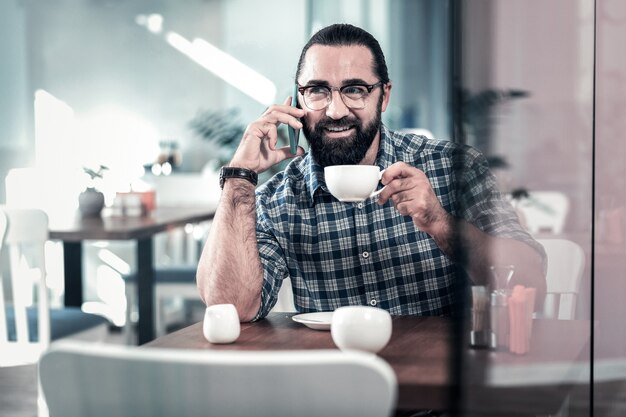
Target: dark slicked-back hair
[{"x": 342, "y": 34}]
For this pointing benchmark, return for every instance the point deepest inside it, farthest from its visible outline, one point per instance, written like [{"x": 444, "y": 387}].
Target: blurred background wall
[{"x": 127, "y": 85}]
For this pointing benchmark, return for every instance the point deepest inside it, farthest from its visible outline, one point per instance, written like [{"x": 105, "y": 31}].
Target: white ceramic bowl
[{"x": 361, "y": 328}]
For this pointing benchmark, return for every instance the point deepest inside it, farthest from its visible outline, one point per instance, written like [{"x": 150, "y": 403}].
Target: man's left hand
[{"x": 412, "y": 195}]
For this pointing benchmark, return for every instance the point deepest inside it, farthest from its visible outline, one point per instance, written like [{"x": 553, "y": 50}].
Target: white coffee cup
[
  {"x": 221, "y": 323},
  {"x": 353, "y": 183},
  {"x": 361, "y": 328}
]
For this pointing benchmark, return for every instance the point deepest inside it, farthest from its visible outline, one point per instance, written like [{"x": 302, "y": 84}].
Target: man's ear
[{"x": 386, "y": 95}]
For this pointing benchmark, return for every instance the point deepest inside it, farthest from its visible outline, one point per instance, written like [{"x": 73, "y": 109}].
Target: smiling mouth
[{"x": 338, "y": 129}]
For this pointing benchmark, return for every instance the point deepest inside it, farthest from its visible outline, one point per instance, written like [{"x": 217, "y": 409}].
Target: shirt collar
[
  {"x": 314, "y": 173},
  {"x": 313, "y": 177},
  {"x": 387, "y": 149}
]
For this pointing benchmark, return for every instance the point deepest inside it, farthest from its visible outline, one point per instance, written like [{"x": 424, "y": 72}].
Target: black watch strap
[{"x": 233, "y": 172}]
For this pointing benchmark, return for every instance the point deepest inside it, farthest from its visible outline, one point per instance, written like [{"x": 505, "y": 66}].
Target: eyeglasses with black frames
[{"x": 354, "y": 96}]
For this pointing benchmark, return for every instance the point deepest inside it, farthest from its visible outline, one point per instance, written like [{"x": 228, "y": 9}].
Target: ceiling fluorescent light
[
  {"x": 179, "y": 43},
  {"x": 227, "y": 67}
]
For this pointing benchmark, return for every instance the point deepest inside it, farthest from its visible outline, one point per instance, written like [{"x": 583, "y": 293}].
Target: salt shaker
[
  {"x": 500, "y": 318},
  {"x": 480, "y": 334}
]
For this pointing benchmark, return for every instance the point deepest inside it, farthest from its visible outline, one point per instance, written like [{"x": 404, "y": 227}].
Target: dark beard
[{"x": 344, "y": 151}]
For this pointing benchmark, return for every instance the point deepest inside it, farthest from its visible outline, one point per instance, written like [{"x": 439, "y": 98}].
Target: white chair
[
  {"x": 566, "y": 263},
  {"x": 108, "y": 380},
  {"x": 543, "y": 211},
  {"x": 27, "y": 323}
]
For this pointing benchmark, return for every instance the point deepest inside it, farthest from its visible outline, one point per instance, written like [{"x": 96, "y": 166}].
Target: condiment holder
[{"x": 503, "y": 318}]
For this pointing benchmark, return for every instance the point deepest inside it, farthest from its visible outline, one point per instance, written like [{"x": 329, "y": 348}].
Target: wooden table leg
[
  {"x": 145, "y": 291},
  {"x": 73, "y": 276}
]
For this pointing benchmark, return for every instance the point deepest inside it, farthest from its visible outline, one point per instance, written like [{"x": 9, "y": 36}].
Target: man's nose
[{"x": 337, "y": 109}]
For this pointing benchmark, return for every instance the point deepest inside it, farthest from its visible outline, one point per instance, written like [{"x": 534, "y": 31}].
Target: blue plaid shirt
[{"x": 339, "y": 254}]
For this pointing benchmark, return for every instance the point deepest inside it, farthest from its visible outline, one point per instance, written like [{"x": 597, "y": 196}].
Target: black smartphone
[{"x": 294, "y": 134}]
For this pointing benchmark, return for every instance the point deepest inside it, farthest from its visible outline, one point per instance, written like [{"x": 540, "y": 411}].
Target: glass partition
[
  {"x": 543, "y": 85},
  {"x": 609, "y": 284}
]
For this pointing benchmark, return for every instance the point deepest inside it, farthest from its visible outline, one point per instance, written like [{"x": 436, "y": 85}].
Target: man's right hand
[{"x": 257, "y": 150}]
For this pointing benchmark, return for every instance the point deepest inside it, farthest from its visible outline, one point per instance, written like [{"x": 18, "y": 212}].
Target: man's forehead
[{"x": 337, "y": 63}]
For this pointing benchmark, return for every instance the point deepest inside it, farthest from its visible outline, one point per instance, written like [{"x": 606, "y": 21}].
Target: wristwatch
[{"x": 243, "y": 173}]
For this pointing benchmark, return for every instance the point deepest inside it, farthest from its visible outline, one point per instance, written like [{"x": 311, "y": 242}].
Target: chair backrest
[
  {"x": 107, "y": 380},
  {"x": 26, "y": 232},
  {"x": 566, "y": 263},
  {"x": 544, "y": 211}
]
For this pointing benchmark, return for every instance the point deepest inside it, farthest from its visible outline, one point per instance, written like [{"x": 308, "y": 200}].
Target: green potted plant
[{"x": 91, "y": 200}]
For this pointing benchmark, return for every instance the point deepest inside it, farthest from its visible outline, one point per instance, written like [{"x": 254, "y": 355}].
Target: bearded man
[{"x": 439, "y": 219}]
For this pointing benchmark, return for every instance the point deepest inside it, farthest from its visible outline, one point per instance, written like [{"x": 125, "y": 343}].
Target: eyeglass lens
[{"x": 319, "y": 97}]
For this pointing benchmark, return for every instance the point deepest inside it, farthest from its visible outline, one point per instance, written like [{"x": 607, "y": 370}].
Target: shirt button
[
  {"x": 373, "y": 302},
  {"x": 360, "y": 205},
  {"x": 366, "y": 254}
]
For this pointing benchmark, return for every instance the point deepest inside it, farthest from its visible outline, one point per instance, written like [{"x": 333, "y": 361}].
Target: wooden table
[
  {"x": 75, "y": 229},
  {"x": 420, "y": 353}
]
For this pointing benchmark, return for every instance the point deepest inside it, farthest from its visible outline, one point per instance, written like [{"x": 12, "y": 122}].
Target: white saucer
[{"x": 316, "y": 321}]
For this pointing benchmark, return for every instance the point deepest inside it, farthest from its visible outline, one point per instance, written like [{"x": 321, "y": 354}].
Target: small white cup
[
  {"x": 221, "y": 323},
  {"x": 361, "y": 328},
  {"x": 353, "y": 183}
]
